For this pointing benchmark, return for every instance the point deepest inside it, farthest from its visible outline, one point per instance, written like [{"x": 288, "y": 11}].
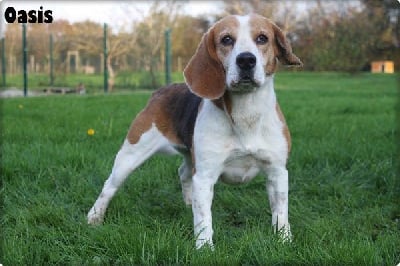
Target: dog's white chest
[
  {"x": 240, "y": 167},
  {"x": 245, "y": 144},
  {"x": 247, "y": 158}
]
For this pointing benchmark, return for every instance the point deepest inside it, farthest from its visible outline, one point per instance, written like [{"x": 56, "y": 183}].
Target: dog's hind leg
[
  {"x": 128, "y": 159},
  {"x": 185, "y": 175}
]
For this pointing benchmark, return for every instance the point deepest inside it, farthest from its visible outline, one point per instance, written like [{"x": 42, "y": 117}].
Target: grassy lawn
[
  {"x": 94, "y": 83},
  {"x": 343, "y": 202}
]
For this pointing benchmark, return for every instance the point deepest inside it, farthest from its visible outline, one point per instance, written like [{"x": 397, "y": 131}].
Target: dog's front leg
[
  {"x": 202, "y": 196},
  {"x": 277, "y": 187}
]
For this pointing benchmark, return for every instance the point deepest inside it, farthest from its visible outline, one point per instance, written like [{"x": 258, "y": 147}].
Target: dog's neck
[{"x": 242, "y": 107}]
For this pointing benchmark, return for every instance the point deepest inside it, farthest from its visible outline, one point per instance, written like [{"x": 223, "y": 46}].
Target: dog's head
[{"x": 237, "y": 53}]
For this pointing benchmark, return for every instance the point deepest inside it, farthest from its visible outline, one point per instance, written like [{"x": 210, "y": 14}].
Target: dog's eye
[
  {"x": 227, "y": 40},
  {"x": 261, "y": 39}
]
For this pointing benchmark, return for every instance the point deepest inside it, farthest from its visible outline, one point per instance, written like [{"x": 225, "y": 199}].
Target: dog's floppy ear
[
  {"x": 204, "y": 73},
  {"x": 284, "y": 53}
]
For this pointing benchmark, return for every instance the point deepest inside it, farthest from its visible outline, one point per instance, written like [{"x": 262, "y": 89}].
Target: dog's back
[{"x": 173, "y": 109}]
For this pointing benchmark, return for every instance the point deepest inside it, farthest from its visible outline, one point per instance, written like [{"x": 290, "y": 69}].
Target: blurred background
[{"x": 143, "y": 45}]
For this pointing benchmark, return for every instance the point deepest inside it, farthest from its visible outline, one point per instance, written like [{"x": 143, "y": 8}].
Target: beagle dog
[{"x": 225, "y": 121}]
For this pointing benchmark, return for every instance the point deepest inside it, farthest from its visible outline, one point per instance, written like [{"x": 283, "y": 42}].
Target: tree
[
  {"x": 339, "y": 39},
  {"x": 282, "y": 13},
  {"x": 386, "y": 15},
  {"x": 13, "y": 43},
  {"x": 186, "y": 36},
  {"x": 38, "y": 45},
  {"x": 62, "y": 42},
  {"x": 150, "y": 36},
  {"x": 88, "y": 37},
  {"x": 263, "y": 7}
]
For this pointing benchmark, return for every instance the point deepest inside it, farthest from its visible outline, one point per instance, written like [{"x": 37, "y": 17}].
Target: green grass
[
  {"x": 94, "y": 83},
  {"x": 344, "y": 197}
]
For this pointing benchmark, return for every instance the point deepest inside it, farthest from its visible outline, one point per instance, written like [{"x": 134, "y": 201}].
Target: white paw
[
  {"x": 203, "y": 243},
  {"x": 95, "y": 218},
  {"x": 284, "y": 234}
]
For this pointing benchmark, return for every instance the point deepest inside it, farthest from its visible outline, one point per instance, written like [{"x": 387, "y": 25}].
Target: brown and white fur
[{"x": 225, "y": 121}]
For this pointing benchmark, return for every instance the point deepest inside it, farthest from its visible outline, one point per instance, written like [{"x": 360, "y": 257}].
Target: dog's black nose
[{"x": 246, "y": 61}]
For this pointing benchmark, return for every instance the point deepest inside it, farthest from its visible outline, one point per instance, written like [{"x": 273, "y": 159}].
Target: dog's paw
[
  {"x": 284, "y": 234},
  {"x": 94, "y": 218},
  {"x": 204, "y": 244}
]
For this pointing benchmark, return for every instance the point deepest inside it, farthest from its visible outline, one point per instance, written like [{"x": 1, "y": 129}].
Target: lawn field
[
  {"x": 94, "y": 83},
  {"x": 344, "y": 201}
]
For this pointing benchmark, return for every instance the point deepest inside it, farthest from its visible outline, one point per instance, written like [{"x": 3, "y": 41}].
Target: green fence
[{"x": 70, "y": 68}]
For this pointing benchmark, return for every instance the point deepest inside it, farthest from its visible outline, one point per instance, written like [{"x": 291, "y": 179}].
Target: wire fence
[{"x": 53, "y": 67}]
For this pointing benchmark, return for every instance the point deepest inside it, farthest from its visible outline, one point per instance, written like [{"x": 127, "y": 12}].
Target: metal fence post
[
  {"x": 25, "y": 56},
  {"x": 105, "y": 59},
  {"x": 168, "y": 56},
  {"x": 51, "y": 60},
  {"x": 3, "y": 60}
]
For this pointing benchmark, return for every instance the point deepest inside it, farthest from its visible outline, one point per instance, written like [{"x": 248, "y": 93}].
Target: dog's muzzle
[{"x": 246, "y": 63}]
